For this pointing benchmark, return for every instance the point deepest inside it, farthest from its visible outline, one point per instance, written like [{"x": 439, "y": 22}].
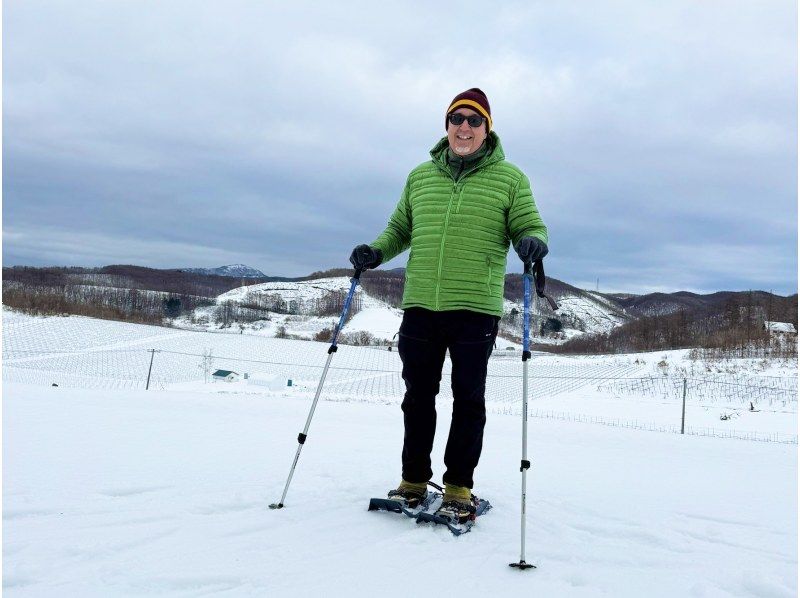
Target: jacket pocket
[
  {"x": 489, "y": 275},
  {"x": 494, "y": 268}
]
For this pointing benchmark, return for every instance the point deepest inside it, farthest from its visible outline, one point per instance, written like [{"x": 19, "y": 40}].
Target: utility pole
[
  {"x": 207, "y": 361},
  {"x": 683, "y": 412},
  {"x": 150, "y": 369}
]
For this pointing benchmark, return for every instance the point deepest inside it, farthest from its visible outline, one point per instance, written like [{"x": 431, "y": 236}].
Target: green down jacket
[{"x": 459, "y": 230}]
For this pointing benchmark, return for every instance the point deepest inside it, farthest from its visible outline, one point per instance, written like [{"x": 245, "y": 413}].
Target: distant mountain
[
  {"x": 727, "y": 322},
  {"x": 233, "y": 270},
  {"x": 662, "y": 304}
]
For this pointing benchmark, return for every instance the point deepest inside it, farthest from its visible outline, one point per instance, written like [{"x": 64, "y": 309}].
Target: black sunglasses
[{"x": 473, "y": 120}]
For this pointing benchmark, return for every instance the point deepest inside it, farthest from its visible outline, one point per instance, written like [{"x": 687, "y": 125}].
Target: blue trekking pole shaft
[
  {"x": 527, "y": 278},
  {"x": 533, "y": 272},
  {"x": 301, "y": 438}
]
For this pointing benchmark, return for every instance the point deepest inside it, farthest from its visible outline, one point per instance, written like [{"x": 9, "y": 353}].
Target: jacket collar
[{"x": 495, "y": 153}]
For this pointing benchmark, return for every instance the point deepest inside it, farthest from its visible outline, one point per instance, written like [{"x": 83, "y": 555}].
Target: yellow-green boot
[
  {"x": 457, "y": 505},
  {"x": 411, "y": 494}
]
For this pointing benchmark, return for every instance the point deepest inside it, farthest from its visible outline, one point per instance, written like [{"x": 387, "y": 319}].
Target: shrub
[
  {"x": 358, "y": 338},
  {"x": 325, "y": 335}
]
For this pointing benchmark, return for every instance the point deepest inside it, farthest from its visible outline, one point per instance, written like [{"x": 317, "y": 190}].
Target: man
[{"x": 458, "y": 213}]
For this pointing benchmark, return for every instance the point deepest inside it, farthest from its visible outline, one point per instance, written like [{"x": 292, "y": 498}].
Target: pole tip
[
  {"x": 522, "y": 565},
  {"x": 276, "y": 505}
]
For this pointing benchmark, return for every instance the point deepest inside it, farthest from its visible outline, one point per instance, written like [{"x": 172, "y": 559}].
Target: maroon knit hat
[{"x": 474, "y": 99}]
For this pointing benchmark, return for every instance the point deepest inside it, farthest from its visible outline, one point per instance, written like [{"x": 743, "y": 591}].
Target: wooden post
[
  {"x": 150, "y": 369},
  {"x": 683, "y": 412}
]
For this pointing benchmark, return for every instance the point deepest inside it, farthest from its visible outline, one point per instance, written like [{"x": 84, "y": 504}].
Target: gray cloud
[{"x": 660, "y": 139}]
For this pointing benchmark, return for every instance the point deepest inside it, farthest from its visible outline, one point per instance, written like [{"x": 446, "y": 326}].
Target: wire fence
[{"x": 605, "y": 391}]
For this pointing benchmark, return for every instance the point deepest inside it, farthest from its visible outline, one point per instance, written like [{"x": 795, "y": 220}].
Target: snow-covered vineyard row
[{"x": 641, "y": 391}]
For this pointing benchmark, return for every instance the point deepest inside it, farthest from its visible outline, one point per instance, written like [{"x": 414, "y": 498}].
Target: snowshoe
[
  {"x": 410, "y": 503},
  {"x": 458, "y": 516},
  {"x": 456, "y": 511}
]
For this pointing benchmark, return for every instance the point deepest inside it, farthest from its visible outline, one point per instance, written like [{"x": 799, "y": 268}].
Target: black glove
[
  {"x": 530, "y": 249},
  {"x": 365, "y": 257}
]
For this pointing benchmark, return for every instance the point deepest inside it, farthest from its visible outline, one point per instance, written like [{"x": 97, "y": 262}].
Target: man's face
[{"x": 463, "y": 139}]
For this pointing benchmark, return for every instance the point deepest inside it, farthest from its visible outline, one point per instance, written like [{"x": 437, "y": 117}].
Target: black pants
[{"x": 425, "y": 336}]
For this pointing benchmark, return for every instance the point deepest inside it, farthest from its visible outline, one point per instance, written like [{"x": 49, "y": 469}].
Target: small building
[
  {"x": 782, "y": 329},
  {"x": 271, "y": 381},
  {"x": 225, "y": 375}
]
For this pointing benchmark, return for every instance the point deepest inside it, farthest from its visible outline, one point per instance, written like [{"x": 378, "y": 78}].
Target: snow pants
[{"x": 425, "y": 336}]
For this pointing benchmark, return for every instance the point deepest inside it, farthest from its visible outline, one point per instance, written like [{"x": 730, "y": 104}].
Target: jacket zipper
[
  {"x": 460, "y": 170},
  {"x": 441, "y": 244},
  {"x": 447, "y": 220},
  {"x": 458, "y": 204}
]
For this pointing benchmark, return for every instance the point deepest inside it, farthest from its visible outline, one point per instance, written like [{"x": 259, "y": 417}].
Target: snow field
[
  {"x": 135, "y": 493},
  {"x": 625, "y": 391}
]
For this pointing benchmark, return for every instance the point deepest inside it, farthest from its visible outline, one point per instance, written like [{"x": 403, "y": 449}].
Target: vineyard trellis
[{"x": 374, "y": 374}]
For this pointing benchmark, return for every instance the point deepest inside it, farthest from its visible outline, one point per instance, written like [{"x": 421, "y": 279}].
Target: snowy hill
[
  {"x": 578, "y": 314},
  {"x": 579, "y": 311},
  {"x": 232, "y": 270},
  {"x": 302, "y": 293},
  {"x": 303, "y": 299}
]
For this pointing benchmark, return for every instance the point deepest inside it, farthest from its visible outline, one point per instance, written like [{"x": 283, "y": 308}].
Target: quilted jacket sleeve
[
  {"x": 396, "y": 237},
  {"x": 523, "y": 215}
]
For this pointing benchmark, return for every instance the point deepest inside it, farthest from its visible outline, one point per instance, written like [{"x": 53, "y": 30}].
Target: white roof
[{"x": 779, "y": 326}]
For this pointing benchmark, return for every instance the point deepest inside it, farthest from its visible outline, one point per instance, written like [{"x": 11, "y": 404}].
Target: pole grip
[
  {"x": 541, "y": 281},
  {"x": 526, "y": 311}
]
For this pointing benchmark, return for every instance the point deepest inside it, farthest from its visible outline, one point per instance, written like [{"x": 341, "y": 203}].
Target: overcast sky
[{"x": 660, "y": 137}]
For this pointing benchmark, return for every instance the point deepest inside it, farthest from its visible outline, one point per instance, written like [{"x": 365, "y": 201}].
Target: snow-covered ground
[
  {"x": 112, "y": 490},
  {"x": 133, "y": 492},
  {"x": 640, "y": 390}
]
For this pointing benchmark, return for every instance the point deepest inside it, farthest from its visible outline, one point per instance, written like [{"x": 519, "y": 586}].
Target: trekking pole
[
  {"x": 526, "y": 355},
  {"x": 301, "y": 438}
]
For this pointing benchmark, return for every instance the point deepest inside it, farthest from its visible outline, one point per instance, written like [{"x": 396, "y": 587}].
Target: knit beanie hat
[{"x": 474, "y": 99}]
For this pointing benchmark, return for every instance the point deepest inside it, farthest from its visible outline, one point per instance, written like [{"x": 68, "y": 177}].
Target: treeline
[
  {"x": 332, "y": 303},
  {"x": 735, "y": 329},
  {"x": 126, "y": 293},
  {"x": 147, "y": 295},
  {"x": 255, "y": 307},
  {"x": 128, "y": 305},
  {"x": 386, "y": 285},
  {"x": 130, "y": 277}
]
